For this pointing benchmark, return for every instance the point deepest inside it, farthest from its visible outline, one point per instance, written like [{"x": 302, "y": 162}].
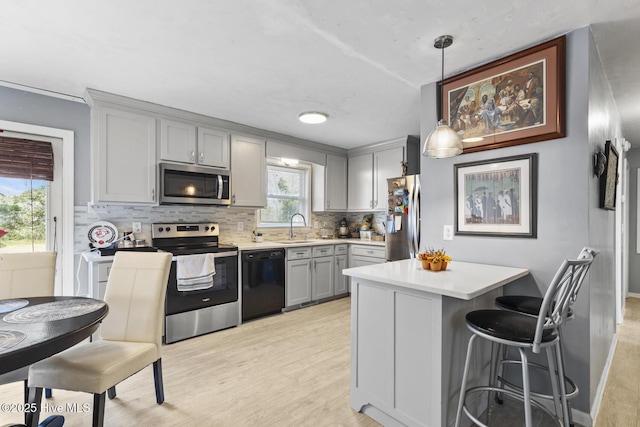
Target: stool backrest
[{"x": 562, "y": 293}]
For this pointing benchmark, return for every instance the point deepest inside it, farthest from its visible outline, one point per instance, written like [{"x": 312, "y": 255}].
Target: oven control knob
[
  {"x": 213, "y": 227},
  {"x": 168, "y": 228},
  {"x": 206, "y": 228},
  {"x": 160, "y": 229}
]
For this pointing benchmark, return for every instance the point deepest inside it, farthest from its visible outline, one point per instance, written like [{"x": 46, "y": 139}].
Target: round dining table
[{"x": 32, "y": 329}]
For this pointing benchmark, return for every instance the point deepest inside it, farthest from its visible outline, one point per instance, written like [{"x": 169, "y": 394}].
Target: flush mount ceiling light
[
  {"x": 442, "y": 141},
  {"x": 313, "y": 117}
]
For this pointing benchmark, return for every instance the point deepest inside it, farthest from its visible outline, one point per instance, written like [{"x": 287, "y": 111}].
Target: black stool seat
[
  {"x": 507, "y": 325},
  {"x": 523, "y": 304}
]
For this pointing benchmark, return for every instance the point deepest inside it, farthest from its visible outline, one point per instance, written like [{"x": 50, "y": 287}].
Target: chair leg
[
  {"x": 561, "y": 361},
  {"x": 35, "y": 397},
  {"x": 463, "y": 386},
  {"x": 98, "y": 409},
  {"x": 526, "y": 387},
  {"x": 111, "y": 392},
  {"x": 553, "y": 376},
  {"x": 26, "y": 398},
  {"x": 495, "y": 349},
  {"x": 563, "y": 389},
  {"x": 157, "y": 379}
]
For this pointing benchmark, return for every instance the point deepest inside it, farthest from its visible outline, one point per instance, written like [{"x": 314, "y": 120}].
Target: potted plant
[{"x": 433, "y": 259}]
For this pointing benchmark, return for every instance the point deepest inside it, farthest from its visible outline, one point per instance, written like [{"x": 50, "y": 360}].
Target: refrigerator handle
[{"x": 415, "y": 207}]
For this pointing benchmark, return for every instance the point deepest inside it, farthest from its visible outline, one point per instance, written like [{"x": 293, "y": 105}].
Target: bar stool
[
  {"x": 531, "y": 306},
  {"x": 521, "y": 331}
]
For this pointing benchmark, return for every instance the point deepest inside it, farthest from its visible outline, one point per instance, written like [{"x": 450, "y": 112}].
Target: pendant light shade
[{"x": 442, "y": 141}]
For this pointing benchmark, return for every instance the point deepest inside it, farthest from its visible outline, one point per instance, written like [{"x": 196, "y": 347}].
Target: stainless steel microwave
[{"x": 194, "y": 185}]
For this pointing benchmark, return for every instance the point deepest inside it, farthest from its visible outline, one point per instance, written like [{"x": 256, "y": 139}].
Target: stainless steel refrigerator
[{"x": 402, "y": 235}]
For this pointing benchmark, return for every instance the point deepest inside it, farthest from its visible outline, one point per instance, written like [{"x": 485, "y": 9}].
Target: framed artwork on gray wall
[
  {"x": 609, "y": 179},
  {"x": 497, "y": 197},
  {"x": 514, "y": 100}
]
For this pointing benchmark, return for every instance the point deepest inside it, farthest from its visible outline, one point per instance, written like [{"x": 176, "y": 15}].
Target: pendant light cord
[{"x": 442, "y": 85}]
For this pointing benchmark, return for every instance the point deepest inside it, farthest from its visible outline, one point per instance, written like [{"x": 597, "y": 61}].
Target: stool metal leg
[
  {"x": 463, "y": 387},
  {"x": 563, "y": 389},
  {"x": 553, "y": 377},
  {"x": 561, "y": 361},
  {"x": 526, "y": 386}
]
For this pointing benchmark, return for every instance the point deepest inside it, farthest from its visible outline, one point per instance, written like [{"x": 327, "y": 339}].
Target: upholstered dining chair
[
  {"x": 24, "y": 275},
  {"x": 130, "y": 335}
]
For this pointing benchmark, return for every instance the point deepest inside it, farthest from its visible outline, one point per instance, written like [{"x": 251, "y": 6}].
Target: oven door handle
[{"x": 215, "y": 254}]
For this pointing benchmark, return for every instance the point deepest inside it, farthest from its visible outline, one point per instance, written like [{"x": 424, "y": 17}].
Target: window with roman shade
[{"x": 26, "y": 159}]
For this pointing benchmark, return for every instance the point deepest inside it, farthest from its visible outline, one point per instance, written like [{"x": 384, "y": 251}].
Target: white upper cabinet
[
  {"x": 329, "y": 190},
  {"x": 368, "y": 174},
  {"x": 188, "y": 143},
  {"x": 213, "y": 148},
  {"x": 248, "y": 172},
  {"x": 123, "y": 148},
  {"x": 360, "y": 182}
]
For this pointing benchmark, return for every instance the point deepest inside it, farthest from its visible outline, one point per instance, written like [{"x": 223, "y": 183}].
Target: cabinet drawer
[
  {"x": 103, "y": 271},
  {"x": 298, "y": 253},
  {"x": 370, "y": 251},
  {"x": 341, "y": 249},
  {"x": 322, "y": 250}
]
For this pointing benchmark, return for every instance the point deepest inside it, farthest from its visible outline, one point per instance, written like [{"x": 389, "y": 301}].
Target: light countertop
[
  {"x": 462, "y": 280},
  {"x": 311, "y": 242},
  {"x": 244, "y": 246}
]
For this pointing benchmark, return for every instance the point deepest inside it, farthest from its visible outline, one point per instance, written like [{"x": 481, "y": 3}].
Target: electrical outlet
[
  {"x": 448, "y": 232},
  {"x": 240, "y": 226},
  {"x": 137, "y": 227}
]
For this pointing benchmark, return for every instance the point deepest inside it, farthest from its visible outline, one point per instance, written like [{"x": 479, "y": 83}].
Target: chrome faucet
[{"x": 291, "y": 224}]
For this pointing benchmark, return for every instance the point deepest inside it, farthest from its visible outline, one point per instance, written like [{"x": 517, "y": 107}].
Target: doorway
[{"x": 59, "y": 197}]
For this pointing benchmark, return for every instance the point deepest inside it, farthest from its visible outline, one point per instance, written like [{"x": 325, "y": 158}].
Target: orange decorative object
[
  {"x": 426, "y": 264},
  {"x": 435, "y": 266},
  {"x": 443, "y": 265}
]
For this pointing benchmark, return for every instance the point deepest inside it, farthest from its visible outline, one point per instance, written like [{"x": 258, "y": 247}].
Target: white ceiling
[{"x": 262, "y": 62}]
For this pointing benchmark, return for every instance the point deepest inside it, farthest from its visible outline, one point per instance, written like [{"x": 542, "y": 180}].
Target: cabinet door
[
  {"x": 322, "y": 278},
  {"x": 340, "y": 282},
  {"x": 124, "y": 156},
  {"x": 360, "y": 182},
  {"x": 177, "y": 141},
  {"x": 213, "y": 148},
  {"x": 248, "y": 172},
  {"x": 335, "y": 188},
  {"x": 298, "y": 281},
  {"x": 386, "y": 164}
]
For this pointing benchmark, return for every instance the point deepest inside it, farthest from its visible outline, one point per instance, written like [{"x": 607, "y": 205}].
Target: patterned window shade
[{"x": 26, "y": 159}]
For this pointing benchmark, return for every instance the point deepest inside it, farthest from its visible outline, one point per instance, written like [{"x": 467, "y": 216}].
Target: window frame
[{"x": 305, "y": 196}]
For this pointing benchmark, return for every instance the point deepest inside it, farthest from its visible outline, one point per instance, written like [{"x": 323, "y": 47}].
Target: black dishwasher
[{"x": 262, "y": 283}]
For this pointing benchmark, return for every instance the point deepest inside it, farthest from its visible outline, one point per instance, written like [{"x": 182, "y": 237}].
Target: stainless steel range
[{"x": 198, "y": 310}]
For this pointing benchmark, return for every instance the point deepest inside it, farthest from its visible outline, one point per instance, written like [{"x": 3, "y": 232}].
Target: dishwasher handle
[{"x": 263, "y": 254}]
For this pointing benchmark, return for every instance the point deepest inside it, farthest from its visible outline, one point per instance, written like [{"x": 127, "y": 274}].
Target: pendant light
[{"x": 442, "y": 141}]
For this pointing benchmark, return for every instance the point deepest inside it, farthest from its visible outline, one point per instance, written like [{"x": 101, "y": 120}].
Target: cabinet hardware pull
[
  {"x": 193, "y": 156},
  {"x": 201, "y": 157},
  {"x": 153, "y": 194}
]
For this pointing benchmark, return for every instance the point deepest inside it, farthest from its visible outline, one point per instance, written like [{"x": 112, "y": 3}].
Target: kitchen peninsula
[{"x": 409, "y": 338}]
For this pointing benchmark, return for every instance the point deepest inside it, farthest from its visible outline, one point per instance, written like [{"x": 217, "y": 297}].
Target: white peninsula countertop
[
  {"x": 409, "y": 337},
  {"x": 463, "y": 280}
]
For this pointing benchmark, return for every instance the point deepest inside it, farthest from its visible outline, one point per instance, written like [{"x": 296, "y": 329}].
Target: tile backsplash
[{"x": 228, "y": 218}]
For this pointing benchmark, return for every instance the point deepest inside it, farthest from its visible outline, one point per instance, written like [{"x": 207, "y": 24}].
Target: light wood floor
[
  {"x": 286, "y": 370},
  {"x": 620, "y": 405}
]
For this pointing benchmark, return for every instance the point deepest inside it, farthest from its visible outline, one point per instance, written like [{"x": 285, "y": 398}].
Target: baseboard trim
[
  {"x": 633, "y": 295},
  {"x": 597, "y": 400}
]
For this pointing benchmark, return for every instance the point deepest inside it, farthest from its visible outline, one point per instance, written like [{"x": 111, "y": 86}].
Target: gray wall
[
  {"x": 567, "y": 214},
  {"x": 634, "y": 258},
  {"x": 34, "y": 109}
]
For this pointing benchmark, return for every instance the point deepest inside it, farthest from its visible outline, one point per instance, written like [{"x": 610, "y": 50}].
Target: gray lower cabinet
[
  {"x": 340, "y": 282},
  {"x": 322, "y": 278},
  {"x": 298, "y": 281}
]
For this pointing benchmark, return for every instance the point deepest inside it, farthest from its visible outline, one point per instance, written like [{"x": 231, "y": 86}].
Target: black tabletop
[{"x": 32, "y": 329}]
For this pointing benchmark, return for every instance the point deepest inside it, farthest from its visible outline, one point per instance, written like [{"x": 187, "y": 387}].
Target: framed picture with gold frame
[{"x": 514, "y": 100}]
